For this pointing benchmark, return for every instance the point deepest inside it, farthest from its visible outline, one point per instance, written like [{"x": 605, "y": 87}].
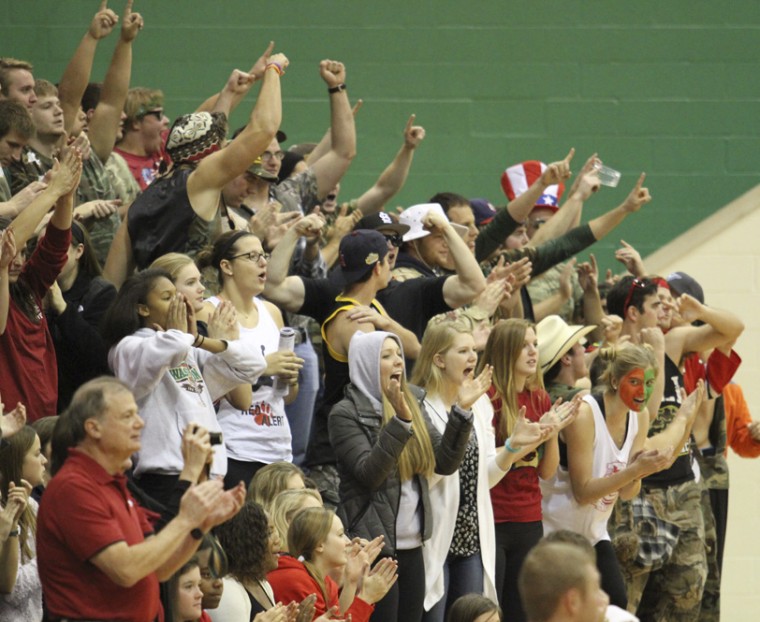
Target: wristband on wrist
[
  {"x": 337, "y": 89},
  {"x": 277, "y": 67},
  {"x": 199, "y": 341},
  {"x": 509, "y": 448},
  {"x": 14, "y": 533}
]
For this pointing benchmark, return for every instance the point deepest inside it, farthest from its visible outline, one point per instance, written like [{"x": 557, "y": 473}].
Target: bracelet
[
  {"x": 14, "y": 533},
  {"x": 198, "y": 344},
  {"x": 277, "y": 67},
  {"x": 337, "y": 89},
  {"x": 509, "y": 448}
]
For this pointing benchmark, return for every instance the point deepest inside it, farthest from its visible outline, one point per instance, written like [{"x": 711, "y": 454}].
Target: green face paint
[
  {"x": 649, "y": 380},
  {"x": 636, "y": 387}
]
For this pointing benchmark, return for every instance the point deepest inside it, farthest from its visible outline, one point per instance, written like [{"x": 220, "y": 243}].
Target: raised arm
[
  {"x": 64, "y": 180},
  {"x": 285, "y": 291},
  {"x": 213, "y": 172},
  {"x": 104, "y": 124},
  {"x": 605, "y": 223},
  {"x": 241, "y": 84},
  {"x": 556, "y": 172},
  {"x": 7, "y": 254},
  {"x": 507, "y": 220},
  {"x": 570, "y": 214},
  {"x": 677, "y": 433},
  {"x": 394, "y": 176},
  {"x": 468, "y": 282},
  {"x": 77, "y": 73},
  {"x": 720, "y": 327},
  {"x": 330, "y": 168}
]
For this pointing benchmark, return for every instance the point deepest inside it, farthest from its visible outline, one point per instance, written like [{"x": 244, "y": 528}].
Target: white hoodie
[{"x": 175, "y": 384}]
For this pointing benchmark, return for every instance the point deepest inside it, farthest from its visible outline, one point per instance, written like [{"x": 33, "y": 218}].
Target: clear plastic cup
[{"x": 607, "y": 176}]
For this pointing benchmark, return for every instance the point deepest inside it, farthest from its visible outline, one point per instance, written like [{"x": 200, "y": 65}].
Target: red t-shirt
[
  {"x": 292, "y": 582},
  {"x": 145, "y": 168},
  {"x": 83, "y": 511},
  {"x": 28, "y": 368},
  {"x": 517, "y": 497}
]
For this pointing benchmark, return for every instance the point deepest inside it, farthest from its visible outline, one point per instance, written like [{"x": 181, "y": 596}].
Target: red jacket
[{"x": 292, "y": 582}]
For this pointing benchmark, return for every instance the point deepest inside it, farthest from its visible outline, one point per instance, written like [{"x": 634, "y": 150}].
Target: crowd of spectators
[{"x": 232, "y": 395}]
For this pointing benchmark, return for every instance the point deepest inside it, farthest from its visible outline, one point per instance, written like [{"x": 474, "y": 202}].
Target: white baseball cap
[{"x": 414, "y": 216}]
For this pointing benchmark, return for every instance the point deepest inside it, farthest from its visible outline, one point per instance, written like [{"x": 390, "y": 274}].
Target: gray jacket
[{"x": 367, "y": 453}]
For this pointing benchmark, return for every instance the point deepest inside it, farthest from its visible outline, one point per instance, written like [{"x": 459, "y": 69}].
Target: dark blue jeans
[{"x": 461, "y": 575}]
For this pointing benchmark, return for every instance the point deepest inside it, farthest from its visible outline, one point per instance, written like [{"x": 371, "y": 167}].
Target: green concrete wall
[{"x": 664, "y": 86}]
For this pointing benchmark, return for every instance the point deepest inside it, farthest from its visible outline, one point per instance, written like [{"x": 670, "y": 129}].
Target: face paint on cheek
[
  {"x": 649, "y": 379},
  {"x": 632, "y": 390}
]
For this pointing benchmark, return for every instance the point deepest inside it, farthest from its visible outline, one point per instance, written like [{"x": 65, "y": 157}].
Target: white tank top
[
  {"x": 561, "y": 510},
  {"x": 261, "y": 433}
]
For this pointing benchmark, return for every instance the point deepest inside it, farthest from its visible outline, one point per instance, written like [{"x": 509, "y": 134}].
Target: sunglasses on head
[{"x": 634, "y": 284}]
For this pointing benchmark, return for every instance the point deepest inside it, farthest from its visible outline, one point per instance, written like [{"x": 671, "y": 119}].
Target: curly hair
[{"x": 245, "y": 540}]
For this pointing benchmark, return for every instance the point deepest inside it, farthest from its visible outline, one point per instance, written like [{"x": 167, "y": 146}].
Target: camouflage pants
[
  {"x": 710, "y": 611},
  {"x": 673, "y": 593}
]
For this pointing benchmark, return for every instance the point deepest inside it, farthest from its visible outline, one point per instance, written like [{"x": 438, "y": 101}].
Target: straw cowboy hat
[{"x": 555, "y": 338}]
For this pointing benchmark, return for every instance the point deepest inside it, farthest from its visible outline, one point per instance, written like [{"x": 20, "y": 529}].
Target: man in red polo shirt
[{"x": 97, "y": 555}]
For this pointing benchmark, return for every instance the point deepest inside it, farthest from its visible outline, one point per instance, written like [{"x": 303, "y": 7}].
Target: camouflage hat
[{"x": 257, "y": 168}]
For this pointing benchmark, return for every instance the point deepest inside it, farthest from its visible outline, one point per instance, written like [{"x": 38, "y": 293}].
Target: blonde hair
[
  {"x": 140, "y": 101},
  {"x": 45, "y": 88},
  {"x": 621, "y": 361},
  {"x": 503, "y": 348},
  {"x": 417, "y": 457},
  {"x": 7, "y": 65},
  {"x": 286, "y": 505},
  {"x": 270, "y": 480},
  {"x": 172, "y": 263},
  {"x": 438, "y": 338}
]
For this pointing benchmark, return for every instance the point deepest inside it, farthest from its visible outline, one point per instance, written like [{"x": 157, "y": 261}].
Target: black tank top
[
  {"x": 161, "y": 220},
  {"x": 681, "y": 470},
  {"x": 320, "y": 451}
]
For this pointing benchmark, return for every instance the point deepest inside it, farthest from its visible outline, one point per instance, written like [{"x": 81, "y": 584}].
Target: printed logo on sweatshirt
[
  {"x": 188, "y": 378},
  {"x": 262, "y": 415}
]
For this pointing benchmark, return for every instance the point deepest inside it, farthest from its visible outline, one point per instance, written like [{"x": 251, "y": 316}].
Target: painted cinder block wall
[
  {"x": 664, "y": 87},
  {"x": 669, "y": 88},
  {"x": 721, "y": 253}
]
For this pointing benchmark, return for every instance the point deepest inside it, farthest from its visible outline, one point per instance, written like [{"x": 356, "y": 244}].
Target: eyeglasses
[
  {"x": 268, "y": 155},
  {"x": 634, "y": 284},
  {"x": 159, "y": 114},
  {"x": 394, "y": 239},
  {"x": 253, "y": 256}
]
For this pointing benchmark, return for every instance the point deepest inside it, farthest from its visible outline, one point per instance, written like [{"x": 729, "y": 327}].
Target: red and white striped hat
[{"x": 519, "y": 177}]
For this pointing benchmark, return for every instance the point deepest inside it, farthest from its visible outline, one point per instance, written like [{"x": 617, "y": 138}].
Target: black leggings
[
  {"x": 513, "y": 542},
  {"x": 612, "y": 578},
  {"x": 410, "y": 584}
]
